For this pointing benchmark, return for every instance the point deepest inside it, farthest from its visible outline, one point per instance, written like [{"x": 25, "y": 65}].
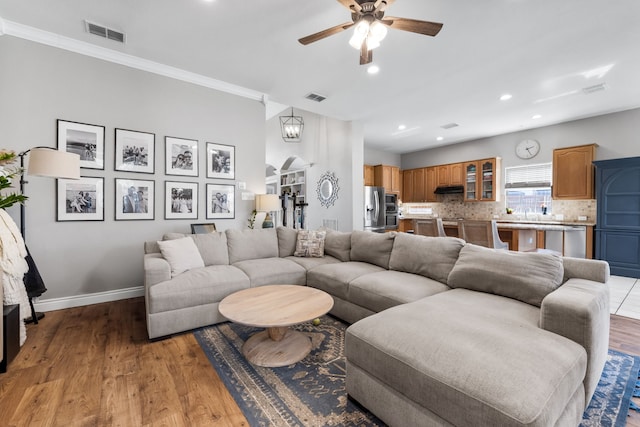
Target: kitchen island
[{"x": 569, "y": 238}]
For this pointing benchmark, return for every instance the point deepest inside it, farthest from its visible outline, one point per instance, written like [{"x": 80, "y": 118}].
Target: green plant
[
  {"x": 7, "y": 174},
  {"x": 252, "y": 218}
]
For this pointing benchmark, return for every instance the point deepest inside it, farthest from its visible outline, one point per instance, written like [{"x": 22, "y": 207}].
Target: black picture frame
[
  {"x": 181, "y": 200},
  {"x": 221, "y": 161},
  {"x": 80, "y": 199},
  {"x": 135, "y": 151},
  {"x": 85, "y": 140},
  {"x": 181, "y": 156},
  {"x": 134, "y": 199}
]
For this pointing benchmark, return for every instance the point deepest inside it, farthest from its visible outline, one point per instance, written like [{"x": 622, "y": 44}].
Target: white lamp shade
[
  {"x": 53, "y": 163},
  {"x": 267, "y": 202}
]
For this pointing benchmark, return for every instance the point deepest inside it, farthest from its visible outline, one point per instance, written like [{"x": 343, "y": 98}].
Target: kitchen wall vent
[
  {"x": 595, "y": 88},
  {"x": 315, "y": 97},
  {"x": 104, "y": 32},
  {"x": 450, "y": 126}
]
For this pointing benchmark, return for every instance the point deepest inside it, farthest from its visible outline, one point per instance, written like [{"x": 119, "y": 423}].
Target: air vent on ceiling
[
  {"x": 315, "y": 97},
  {"x": 594, "y": 88},
  {"x": 450, "y": 126},
  {"x": 104, "y": 32}
]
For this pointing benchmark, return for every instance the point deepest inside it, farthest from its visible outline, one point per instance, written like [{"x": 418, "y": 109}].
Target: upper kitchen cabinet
[
  {"x": 369, "y": 179},
  {"x": 431, "y": 183},
  {"x": 387, "y": 177},
  {"x": 573, "y": 176},
  {"x": 451, "y": 174},
  {"x": 419, "y": 185},
  {"x": 407, "y": 185},
  {"x": 482, "y": 180}
]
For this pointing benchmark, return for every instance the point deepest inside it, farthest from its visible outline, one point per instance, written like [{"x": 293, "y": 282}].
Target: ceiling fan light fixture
[
  {"x": 378, "y": 31},
  {"x": 372, "y": 43},
  {"x": 360, "y": 33}
]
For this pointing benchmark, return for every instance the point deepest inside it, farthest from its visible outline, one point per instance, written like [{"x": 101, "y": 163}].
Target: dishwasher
[{"x": 569, "y": 240}]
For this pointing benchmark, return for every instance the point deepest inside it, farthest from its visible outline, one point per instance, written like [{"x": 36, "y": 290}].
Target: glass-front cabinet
[{"x": 481, "y": 180}]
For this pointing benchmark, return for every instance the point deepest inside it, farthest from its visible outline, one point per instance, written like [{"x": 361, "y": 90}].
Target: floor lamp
[{"x": 49, "y": 162}]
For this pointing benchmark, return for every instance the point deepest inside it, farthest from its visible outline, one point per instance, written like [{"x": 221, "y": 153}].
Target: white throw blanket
[{"x": 13, "y": 268}]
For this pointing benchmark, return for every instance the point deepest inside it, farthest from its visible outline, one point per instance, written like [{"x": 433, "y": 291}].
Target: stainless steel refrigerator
[{"x": 374, "y": 209}]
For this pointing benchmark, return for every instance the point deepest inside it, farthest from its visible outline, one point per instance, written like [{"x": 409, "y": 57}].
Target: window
[{"x": 528, "y": 188}]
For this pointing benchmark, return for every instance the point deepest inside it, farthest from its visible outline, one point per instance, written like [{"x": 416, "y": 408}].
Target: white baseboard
[{"x": 88, "y": 299}]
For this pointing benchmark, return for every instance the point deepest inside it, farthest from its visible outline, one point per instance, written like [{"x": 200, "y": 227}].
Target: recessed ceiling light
[
  {"x": 536, "y": 116},
  {"x": 402, "y": 127},
  {"x": 506, "y": 97},
  {"x": 440, "y": 138},
  {"x": 373, "y": 69}
]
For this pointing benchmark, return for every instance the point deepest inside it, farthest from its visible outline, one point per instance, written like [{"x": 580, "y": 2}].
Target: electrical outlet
[
  {"x": 242, "y": 185},
  {"x": 582, "y": 218},
  {"x": 559, "y": 217}
]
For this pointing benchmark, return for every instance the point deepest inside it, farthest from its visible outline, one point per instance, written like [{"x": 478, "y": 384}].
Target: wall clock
[{"x": 527, "y": 149}]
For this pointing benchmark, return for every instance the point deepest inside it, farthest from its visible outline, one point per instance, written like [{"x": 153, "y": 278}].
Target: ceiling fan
[{"x": 371, "y": 26}]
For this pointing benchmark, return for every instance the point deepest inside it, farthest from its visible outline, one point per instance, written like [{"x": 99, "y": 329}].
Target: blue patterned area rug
[{"x": 312, "y": 392}]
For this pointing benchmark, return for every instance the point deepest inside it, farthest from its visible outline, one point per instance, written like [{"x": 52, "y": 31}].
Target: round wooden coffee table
[{"x": 276, "y": 307}]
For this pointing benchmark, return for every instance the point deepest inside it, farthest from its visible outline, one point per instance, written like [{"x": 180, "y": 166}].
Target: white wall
[
  {"x": 328, "y": 145},
  {"x": 39, "y": 84},
  {"x": 616, "y": 135}
]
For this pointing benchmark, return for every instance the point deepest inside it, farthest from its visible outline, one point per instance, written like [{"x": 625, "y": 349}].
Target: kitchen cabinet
[
  {"x": 573, "y": 172},
  {"x": 443, "y": 176},
  {"x": 419, "y": 189},
  {"x": 431, "y": 177},
  {"x": 407, "y": 186},
  {"x": 369, "y": 177},
  {"x": 405, "y": 225},
  {"x": 481, "y": 180},
  {"x": 387, "y": 177},
  {"x": 457, "y": 173}
]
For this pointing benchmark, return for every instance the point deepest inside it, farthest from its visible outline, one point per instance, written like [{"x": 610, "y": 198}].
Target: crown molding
[{"x": 55, "y": 40}]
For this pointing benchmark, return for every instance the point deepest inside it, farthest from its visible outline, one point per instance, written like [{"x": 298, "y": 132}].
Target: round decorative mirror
[{"x": 327, "y": 189}]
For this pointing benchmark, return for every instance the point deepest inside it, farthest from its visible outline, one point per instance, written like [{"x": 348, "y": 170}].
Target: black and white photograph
[
  {"x": 135, "y": 199},
  {"x": 181, "y": 200},
  {"x": 85, "y": 140},
  {"x": 181, "y": 156},
  {"x": 220, "y": 201},
  {"x": 221, "y": 161},
  {"x": 80, "y": 199},
  {"x": 135, "y": 151}
]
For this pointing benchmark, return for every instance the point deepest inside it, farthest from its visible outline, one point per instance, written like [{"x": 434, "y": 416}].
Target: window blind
[{"x": 528, "y": 176}]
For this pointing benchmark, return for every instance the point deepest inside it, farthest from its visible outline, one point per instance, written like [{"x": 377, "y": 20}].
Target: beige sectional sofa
[{"x": 443, "y": 332}]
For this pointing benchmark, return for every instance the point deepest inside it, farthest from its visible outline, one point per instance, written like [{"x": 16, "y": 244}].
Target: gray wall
[
  {"x": 376, "y": 157},
  {"x": 40, "y": 84},
  {"x": 616, "y": 135}
]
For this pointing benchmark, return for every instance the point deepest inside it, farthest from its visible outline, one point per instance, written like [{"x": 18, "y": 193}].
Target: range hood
[{"x": 450, "y": 189}]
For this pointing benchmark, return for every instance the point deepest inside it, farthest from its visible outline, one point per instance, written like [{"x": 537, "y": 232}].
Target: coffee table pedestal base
[{"x": 276, "y": 347}]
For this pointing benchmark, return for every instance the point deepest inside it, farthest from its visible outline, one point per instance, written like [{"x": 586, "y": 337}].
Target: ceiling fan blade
[
  {"x": 351, "y": 5},
  {"x": 366, "y": 55},
  {"x": 325, "y": 33},
  {"x": 413, "y": 25}
]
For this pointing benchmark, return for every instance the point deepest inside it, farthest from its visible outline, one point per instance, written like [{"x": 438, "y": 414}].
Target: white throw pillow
[{"x": 182, "y": 254}]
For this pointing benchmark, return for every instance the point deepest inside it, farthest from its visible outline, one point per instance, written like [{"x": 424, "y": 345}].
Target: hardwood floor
[{"x": 94, "y": 366}]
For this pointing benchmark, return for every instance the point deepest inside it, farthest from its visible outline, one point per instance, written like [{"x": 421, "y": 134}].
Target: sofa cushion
[
  {"x": 252, "y": 244},
  {"x": 338, "y": 245},
  {"x": 273, "y": 271},
  {"x": 309, "y": 263},
  {"x": 374, "y": 248},
  {"x": 527, "y": 277},
  {"x": 181, "y": 254},
  {"x": 310, "y": 244},
  {"x": 432, "y": 257},
  {"x": 381, "y": 290},
  {"x": 335, "y": 278},
  {"x": 196, "y": 287},
  {"x": 287, "y": 238},
  {"x": 499, "y": 366}
]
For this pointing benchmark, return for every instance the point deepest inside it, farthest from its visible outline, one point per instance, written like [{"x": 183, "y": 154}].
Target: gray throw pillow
[
  {"x": 374, "y": 248},
  {"x": 524, "y": 276},
  {"x": 287, "y": 238}
]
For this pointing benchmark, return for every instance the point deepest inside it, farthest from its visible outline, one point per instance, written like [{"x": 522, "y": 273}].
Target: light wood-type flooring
[{"x": 94, "y": 366}]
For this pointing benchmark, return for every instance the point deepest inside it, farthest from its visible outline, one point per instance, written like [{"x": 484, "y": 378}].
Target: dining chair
[
  {"x": 429, "y": 227},
  {"x": 481, "y": 233}
]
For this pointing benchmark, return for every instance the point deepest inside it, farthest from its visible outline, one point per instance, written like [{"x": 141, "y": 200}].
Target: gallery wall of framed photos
[{"x": 135, "y": 151}]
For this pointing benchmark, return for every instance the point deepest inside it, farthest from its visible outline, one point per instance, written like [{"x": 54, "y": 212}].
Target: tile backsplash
[{"x": 453, "y": 206}]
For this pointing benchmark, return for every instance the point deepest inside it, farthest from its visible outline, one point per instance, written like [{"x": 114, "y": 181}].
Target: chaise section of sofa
[{"x": 518, "y": 341}]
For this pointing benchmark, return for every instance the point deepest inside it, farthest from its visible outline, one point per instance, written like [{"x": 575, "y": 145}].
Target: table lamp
[{"x": 267, "y": 203}]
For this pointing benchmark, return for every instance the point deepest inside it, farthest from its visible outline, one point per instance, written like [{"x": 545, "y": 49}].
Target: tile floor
[{"x": 625, "y": 296}]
